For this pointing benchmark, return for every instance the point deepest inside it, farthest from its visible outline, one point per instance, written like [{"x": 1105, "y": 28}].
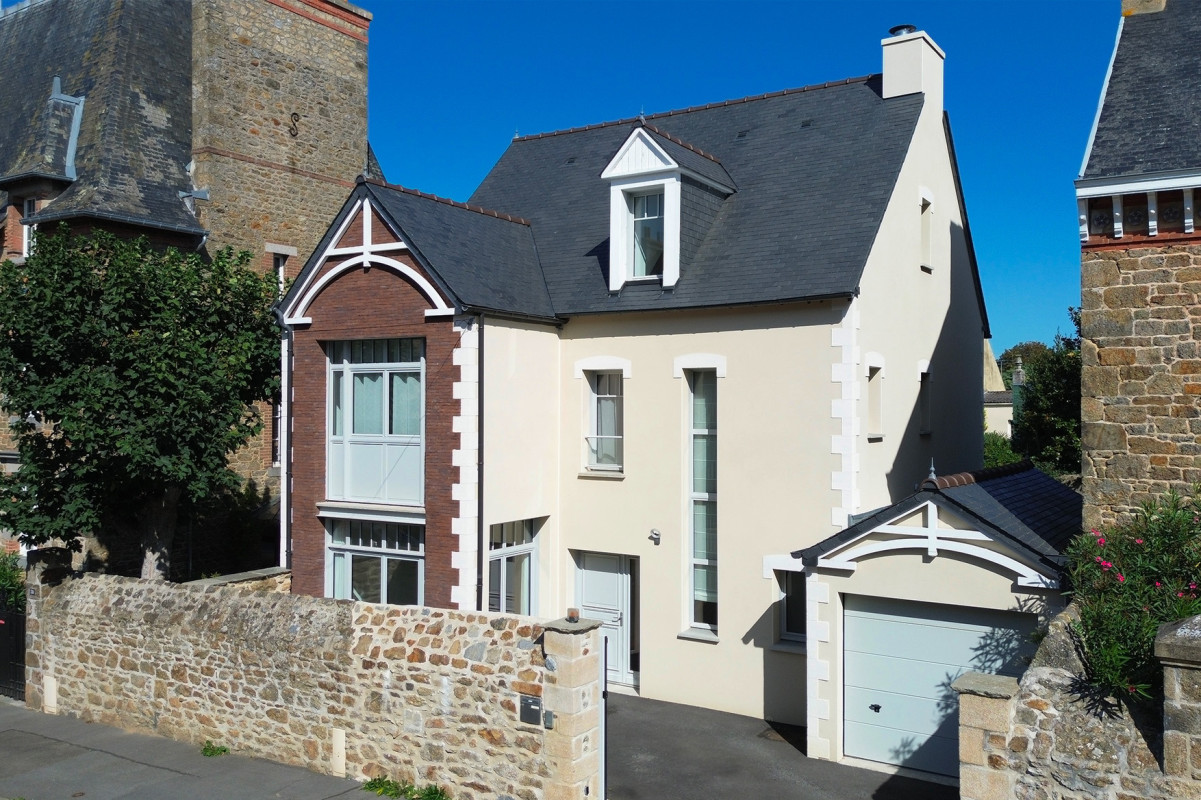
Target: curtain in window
[
  {"x": 405, "y": 416},
  {"x": 368, "y": 403}
]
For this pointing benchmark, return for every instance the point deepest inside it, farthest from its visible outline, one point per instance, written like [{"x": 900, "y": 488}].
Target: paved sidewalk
[{"x": 45, "y": 757}]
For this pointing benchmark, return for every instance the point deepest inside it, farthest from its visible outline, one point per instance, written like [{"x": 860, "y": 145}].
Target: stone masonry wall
[
  {"x": 418, "y": 694},
  {"x": 279, "y": 121},
  {"x": 1141, "y": 381},
  {"x": 1038, "y": 740}
]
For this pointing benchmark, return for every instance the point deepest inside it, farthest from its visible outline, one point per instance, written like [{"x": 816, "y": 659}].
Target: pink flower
[
  {"x": 1138, "y": 541},
  {"x": 1192, "y": 586},
  {"x": 1101, "y": 542},
  {"x": 1131, "y": 689},
  {"x": 1096, "y": 532},
  {"x": 1121, "y": 578},
  {"x": 1180, "y": 594},
  {"x": 1097, "y": 559},
  {"x": 1158, "y": 584}
]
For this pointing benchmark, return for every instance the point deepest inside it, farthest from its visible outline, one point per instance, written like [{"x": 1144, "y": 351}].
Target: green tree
[
  {"x": 1046, "y": 425},
  {"x": 1030, "y": 353},
  {"x": 998, "y": 450},
  {"x": 131, "y": 372}
]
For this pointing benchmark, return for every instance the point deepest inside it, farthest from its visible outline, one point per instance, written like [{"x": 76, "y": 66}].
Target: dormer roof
[{"x": 648, "y": 149}]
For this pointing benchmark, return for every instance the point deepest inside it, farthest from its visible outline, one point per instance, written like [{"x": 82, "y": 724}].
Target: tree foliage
[
  {"x": 1046, "y": 425},
  {"x": 1030, "y": 353},
  {"x": 998, "y": 451},
  {"x": 131, "y": 372}
]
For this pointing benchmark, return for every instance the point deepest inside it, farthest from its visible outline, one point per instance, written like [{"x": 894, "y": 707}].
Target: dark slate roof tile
[
  {"x": 1150, "y": 120},
  {"x": 487, "y": 260},
  {"x": 691, "y": 158},
  {"x": 814, "y": 170}
]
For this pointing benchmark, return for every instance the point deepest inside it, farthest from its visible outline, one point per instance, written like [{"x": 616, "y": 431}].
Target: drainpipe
[
  {"x": 482, "y": 553},
  {"x": 285, "y": 425}
]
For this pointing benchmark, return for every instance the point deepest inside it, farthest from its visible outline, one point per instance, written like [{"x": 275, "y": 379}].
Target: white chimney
[{"x": 912, "y": 63}]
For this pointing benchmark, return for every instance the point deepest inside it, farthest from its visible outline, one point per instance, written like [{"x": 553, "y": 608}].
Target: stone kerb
[
  {"x": 1178, "y": 647},
  {"x": 419, "y": 694}
]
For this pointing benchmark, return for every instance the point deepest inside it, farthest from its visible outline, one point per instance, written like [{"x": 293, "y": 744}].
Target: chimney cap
[{"x": 902, "y": 30}]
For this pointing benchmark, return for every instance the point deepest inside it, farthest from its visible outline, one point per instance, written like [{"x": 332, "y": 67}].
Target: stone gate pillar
[
  {"x": 1178, "y": 647},
  {"x": 572, "y": 692}
]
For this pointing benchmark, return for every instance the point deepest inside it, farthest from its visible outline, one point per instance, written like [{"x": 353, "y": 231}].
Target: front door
[{"x": 607, "y": 589}]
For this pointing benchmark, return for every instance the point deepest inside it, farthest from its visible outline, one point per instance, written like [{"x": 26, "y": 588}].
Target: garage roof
[{"x": 1016, "y": 504}]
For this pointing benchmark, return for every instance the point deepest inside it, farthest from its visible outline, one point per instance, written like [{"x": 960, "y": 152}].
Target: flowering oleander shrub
[{"x": 1129, "y": 581}]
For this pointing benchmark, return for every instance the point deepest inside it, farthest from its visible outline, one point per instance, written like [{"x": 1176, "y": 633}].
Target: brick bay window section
[
  {"x": 376, "y": 421},
  {"x": 702, "y": 387},
  {"x": 376, "y": 562},
  {"x": 606, "y": 421},
  {"x": 512, "y": 567},
  {"x": 647, "y": 234}
]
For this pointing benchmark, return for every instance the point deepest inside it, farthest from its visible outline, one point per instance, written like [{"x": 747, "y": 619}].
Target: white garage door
[{"x": 900, "y": 659}]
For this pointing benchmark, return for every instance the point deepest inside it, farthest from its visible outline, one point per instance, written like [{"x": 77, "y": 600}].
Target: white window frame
[
  {"x": 873, "y": 395},
  {"x": 336, "y": 584},
  {"x": 503, "y": 553},
  {"x": 784, "y": 579},
  {"x": 925, "y": 415},
  {"x": 693, "y": 498},
  {"x": 341, "y": 366},
  {"x": 29, "y": 206},
  {"x": 595, "y": 396},
  {"x": 632, "y": 198}
]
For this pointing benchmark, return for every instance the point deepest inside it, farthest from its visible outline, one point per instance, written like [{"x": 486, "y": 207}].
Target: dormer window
[
  {"x": 648, "y": 234},
  {"x": 647, "y": 180}
]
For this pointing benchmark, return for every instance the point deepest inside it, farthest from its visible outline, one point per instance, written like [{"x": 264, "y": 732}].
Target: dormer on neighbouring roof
[{"x": 648, "y": 178}]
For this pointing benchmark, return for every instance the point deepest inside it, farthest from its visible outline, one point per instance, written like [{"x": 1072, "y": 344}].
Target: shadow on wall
[{"x": 956, "y": 392}]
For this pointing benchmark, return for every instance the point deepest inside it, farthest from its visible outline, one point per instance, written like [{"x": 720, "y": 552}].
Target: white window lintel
[
  {"x": 692, "y": 361},
  {"x": 602, "y": 364}
]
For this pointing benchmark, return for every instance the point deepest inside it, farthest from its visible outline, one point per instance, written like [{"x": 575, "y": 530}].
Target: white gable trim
[
  {"x": 931, "y": 539},
  {"x": 639, "y": 155},
  {"x": 366, "y": 254}
]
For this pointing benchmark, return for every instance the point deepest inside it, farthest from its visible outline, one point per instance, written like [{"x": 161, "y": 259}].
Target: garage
[
  {"x": 951, "y": 579},
  {"x": 900, "y": 660}
]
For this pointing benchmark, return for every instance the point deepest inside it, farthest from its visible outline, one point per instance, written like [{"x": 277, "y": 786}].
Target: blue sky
[{"x": 451, "y": 82}]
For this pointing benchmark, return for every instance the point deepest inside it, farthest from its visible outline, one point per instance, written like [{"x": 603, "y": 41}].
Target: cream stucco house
[{"x": 648, "y": 363}]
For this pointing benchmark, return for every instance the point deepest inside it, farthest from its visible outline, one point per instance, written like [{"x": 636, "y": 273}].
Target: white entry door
[
  {"x": 899, "y": 661},
  {"x": 606, "y": 589}
]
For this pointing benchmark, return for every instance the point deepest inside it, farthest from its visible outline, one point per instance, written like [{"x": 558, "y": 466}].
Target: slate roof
[
  {"x": 998, "y": 398},
  {"x": 692, "y": 158},
  {"x": 814, "y": 169},
  {"x": 131, "y": 62},
  {"x": 1150, "y": 120},
  {"x": 486, "y": 260},
  {"x": 1017, "y": 504}
]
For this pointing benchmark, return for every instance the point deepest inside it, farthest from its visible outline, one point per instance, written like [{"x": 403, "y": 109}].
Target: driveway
[{"x": 662, "y": 751}]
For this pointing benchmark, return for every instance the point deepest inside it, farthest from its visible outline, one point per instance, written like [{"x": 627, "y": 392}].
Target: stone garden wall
[
  {"x": 1037, "y": 739},
  {"x": 419, "y": 694}
]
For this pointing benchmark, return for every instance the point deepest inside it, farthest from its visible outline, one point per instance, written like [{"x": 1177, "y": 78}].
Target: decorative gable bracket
[{"x": 932, "y": 538}]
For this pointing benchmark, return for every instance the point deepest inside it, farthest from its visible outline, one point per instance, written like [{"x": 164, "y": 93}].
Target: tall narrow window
[
  {"x": 376, "y": 417},
  {"x": 875, "y": 428},
  {"x": 606, "y": 414},
  {"x": 792, "y": 606},
  {"x": 279, "y": 262},
  {"x": 276, "y": 422},
  {"x": 511, "y": 567},
  {"x": 927, "y": 263},
  {"x": 28, "y": 208},
  {"x": 923, "y": 403},
  {"x": 648, "y": 234},
  {"x": 377, "y": 562},
  {"x": 702, "y": 385}
]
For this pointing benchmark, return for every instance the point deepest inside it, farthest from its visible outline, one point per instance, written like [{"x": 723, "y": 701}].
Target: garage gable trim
[{"x": 927, "y": 537}]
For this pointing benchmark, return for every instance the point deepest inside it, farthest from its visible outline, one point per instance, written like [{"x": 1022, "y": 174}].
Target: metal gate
[{"x": 12, "y": 653}]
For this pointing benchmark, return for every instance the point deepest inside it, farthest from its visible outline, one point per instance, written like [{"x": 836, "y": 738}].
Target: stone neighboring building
[
  {"x": 201, "y": 124},
  {"x": 1141, "y": 267}
]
